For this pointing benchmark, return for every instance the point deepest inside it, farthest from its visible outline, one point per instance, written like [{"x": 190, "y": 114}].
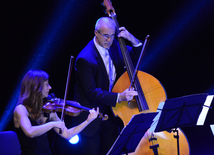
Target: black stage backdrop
[{"x": 43, "y": 34}]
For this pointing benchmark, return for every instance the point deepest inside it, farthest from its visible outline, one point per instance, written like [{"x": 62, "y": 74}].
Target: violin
[{"x": 71, "y": 108}]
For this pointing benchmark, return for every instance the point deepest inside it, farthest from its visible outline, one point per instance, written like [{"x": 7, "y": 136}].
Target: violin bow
[
  {"x": 105, "y": 117},
  {"x": 66, "y": 88}
]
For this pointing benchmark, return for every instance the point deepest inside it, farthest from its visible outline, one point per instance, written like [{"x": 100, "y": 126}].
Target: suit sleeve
[{"x": 88, "y": 79}]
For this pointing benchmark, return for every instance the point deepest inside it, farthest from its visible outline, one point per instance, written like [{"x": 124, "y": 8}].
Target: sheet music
[
  {"x": 132, "y": 133},
  {"x": 155, "y": 120},
  {"x": 212, "y": 128},
  {"x": 203, "y": 114}
]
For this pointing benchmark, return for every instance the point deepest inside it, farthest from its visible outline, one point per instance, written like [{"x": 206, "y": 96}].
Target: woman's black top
[{"x": 33, "y": 146}]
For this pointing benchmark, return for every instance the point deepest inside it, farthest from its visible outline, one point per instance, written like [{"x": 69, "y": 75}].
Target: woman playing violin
[{"x": 30, "y": 123}]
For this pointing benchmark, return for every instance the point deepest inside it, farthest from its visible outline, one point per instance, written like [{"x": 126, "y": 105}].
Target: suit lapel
[{"x": 100, "y": 61}]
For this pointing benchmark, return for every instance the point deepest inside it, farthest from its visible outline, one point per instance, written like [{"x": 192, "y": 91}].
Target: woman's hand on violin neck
[
  {"x": 127, "y": 95},
  {"x": 92, "y": 115}
]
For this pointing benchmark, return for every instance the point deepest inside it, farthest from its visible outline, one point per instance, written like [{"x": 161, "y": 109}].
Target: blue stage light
[
  {"x": 74, "y": 140},
  {"x": 50, "y": 39},
  {"x": 187, "y": 16}
]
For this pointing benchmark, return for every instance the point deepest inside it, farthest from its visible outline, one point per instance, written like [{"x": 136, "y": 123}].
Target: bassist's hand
[
  {"x": 127, "y": 35},
  {"x": 127, "y": 95}
]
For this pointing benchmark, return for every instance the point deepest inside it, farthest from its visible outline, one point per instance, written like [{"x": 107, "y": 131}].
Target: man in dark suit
[{"x": 93, "y": 87}]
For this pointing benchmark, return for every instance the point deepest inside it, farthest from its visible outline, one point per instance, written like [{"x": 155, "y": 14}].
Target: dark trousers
[{"x": 103, "y": 139}]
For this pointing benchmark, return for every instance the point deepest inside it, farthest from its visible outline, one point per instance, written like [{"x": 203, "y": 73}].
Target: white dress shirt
[{"x": 103, "y": 53}]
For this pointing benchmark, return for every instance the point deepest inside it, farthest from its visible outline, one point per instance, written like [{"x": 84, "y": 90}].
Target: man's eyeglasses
[{"x": 106, "y": 36}]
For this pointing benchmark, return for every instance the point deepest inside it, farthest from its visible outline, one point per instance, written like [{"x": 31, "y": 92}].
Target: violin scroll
[{"x": 104, "y": 118}]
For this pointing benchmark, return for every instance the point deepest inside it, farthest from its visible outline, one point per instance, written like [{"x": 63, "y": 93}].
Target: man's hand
[
  {"x": 127, "y": 95},
  {"x": 127, "y": 35}
]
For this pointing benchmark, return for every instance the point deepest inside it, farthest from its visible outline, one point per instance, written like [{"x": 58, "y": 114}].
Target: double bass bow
[{"x": 150, "y": 94}]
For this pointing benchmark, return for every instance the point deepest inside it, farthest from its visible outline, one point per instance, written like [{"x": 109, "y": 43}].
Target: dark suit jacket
[{"x": 92, "y": 81}]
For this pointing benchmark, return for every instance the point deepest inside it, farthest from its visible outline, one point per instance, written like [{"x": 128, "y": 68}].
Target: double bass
[{"x": 150, "y": 94}]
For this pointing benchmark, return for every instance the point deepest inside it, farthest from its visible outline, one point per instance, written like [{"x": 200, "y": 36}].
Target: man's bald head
[{"x": 105, "y": 22}]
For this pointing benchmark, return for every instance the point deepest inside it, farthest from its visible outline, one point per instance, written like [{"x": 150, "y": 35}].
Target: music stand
[
  {"x": 131, "y": 134},
  {"x": 182, "y": 112}
]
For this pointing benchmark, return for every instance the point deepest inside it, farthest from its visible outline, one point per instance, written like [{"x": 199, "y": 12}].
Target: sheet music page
[
  {"x": 155, "y": 120},
  {"x": 206, "y": 106},
  {"x": 212, "y": 128}
]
